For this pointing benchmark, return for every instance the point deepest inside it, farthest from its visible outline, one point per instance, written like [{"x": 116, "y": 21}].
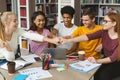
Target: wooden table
[{"x": 69, "y": 74}]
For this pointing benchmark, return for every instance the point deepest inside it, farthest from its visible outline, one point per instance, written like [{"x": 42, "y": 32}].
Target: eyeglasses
[{"x": 106, "y": 21}]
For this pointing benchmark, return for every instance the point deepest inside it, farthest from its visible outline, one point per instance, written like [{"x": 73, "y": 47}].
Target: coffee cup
[
  {"x": 11, "y": 67},
  {"x": 81, "y": 55}
]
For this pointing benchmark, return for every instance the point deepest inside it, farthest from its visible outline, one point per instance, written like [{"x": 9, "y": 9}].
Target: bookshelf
[
  {"x": 24, "y": 13},
  {"x": 50, "y": 8},
  {"x": 5, "y": 5},
  {"x": 100, "y": 7},
  {"x": 9, "y": 5}
]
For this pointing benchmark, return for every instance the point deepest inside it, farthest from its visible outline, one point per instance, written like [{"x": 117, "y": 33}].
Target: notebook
[
  {"x": 57, "y": 53},
  {"x": 19, "y": 64},
  {"x": 84, "y": 66}
]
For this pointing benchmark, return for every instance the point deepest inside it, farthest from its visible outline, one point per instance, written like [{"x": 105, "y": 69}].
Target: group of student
[{"x": 90, "y": 37}]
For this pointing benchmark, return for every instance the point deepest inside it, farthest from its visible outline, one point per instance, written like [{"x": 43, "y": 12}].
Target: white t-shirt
[
  {"x": 64, "y": 31},
  {"x": 14, "y": 43}
]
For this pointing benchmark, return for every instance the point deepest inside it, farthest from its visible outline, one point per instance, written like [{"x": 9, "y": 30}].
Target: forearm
[
  {"x": 78, "y": 39},
  {"x": 104, "y": 60},
  {"x": 47, "y": 39},
  {"x": 68, "y": 37},
  {"x": 33, "y": 36}
]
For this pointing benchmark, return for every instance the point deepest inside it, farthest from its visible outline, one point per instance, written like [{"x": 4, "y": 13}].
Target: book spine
[
  {"x": 22, "y": 2},
  {"x": 23, "y": 12}
]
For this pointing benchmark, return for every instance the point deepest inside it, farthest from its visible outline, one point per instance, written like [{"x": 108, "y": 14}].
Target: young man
[
  {"x": 89, "y": 26},
  {"x": 66, "y": 28}
]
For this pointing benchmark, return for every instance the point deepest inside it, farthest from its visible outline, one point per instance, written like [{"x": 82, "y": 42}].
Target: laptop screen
[{"x": 56, "y": 53}]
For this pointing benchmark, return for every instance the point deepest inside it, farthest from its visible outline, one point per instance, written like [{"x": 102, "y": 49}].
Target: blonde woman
[{"x": 9, "y": 33}]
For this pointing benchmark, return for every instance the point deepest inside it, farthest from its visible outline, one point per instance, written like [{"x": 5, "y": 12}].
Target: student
[
  {"x": 38, "y": 21},
  {"x": 89, "y": 26},
  {"x": 110, "y": 35},
  {"x": 9, "y": 34},
  {"x": 66, "y": 28}
]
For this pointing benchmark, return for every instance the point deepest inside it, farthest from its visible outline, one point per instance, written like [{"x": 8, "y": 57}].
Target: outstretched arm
[
  {"x": 101, "y": 61},
  {"x": 76, "y": 39},
  {"x": 37, "y": 37},
  {"x": 55, "y": 40}
]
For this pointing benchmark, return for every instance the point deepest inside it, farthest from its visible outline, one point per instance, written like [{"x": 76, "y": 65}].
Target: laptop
[{"x": 57, "y": 53}]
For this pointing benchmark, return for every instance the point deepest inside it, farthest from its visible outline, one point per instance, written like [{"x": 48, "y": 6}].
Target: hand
[
  {"x": 62, "y": 40},
  {"x": 98, "y": 48},
  {"x": 56, "y": 40},
  {"x": 6, "y": 44},
  {"x": 2, "y": 44},
  {"x": 92, "y": 59}
]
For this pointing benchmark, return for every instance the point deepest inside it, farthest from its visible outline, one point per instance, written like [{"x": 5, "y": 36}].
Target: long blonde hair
[
  {"x": 1, "y": 29},
  {"x": 3, "y": 18}
]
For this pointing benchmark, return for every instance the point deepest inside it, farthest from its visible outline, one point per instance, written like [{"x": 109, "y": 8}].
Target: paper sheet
[{"x": 36, "y": 73}]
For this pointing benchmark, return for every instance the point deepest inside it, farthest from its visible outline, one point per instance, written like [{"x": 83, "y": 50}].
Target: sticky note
[{"x": 60, "y": 69}]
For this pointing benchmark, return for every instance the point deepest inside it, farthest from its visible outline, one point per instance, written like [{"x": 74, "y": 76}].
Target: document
[
  {"x": 19, "y": 64},
  {"x": 35, "y": 73},
  {"x": 84, "y": 66}
]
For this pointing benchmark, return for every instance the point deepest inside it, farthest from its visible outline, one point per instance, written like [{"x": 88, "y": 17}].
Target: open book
[
  {"x": 84, "y": 66},
  {"x": 19, "y": 64}
]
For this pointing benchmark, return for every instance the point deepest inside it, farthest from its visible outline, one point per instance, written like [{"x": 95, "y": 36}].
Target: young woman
[
  {"x": 38, "y": 21},
  {"x": 9, "y": 34},
  {"x": 110, "y": 35}
]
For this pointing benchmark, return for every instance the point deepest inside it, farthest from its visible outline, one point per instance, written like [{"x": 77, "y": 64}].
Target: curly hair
[{"x": 68, "y": 10}]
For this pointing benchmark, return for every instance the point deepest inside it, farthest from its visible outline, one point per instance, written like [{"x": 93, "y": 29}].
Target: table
[{"x": 69, "y": 74}]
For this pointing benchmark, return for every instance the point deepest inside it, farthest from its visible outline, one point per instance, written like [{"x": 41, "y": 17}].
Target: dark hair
[
  {"x": 68, "y": 10},
  {"x": 34, "y": 15},
  {"x": 90, "y": 13}
]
